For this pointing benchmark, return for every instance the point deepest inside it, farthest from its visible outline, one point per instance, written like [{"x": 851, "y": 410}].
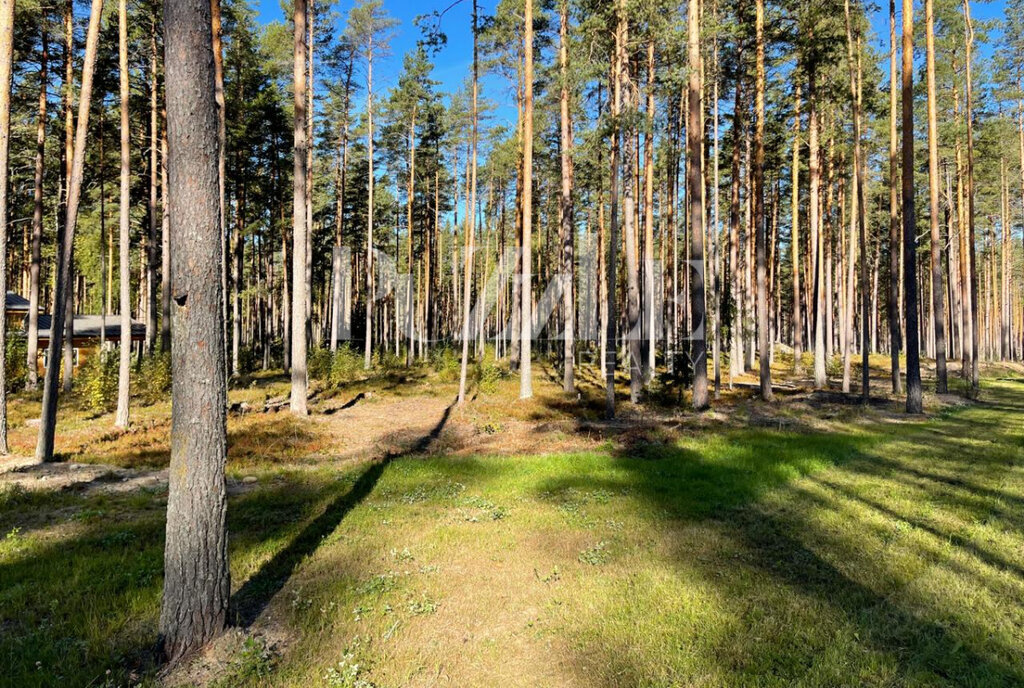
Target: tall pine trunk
[
  {"x": 938, "y": 300},
  {"x": 196, "y": 576},
  {"x": 61, "y": 301},
  {"x": 298, "y": 372},
  {"x": 6, "y": 71},
  {"x": 694, "y": 180},
  {"x": 124, "y": 208},
  {"x": 914, "y": 392},
  {"x": 526, "y": 316},
  {"x": 32, "y": 345},
  {"x": 760, "y": 240}
]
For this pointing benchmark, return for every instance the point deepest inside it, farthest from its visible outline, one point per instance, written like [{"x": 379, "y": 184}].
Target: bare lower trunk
[
  {"x": 938, "y": 300},
  {"x": 196, "y": 577}
]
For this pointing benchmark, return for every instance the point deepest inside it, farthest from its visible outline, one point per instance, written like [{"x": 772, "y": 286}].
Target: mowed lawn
[{"x": 853, "y": 548}]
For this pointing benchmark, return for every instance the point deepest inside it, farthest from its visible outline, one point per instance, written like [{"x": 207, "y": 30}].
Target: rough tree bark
[{"x": 196, "y": 576}]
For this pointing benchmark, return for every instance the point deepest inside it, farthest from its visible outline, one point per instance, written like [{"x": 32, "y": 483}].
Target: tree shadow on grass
[
  {"x": 719, "y": 481},
  {"x": 256, "y": 593}
]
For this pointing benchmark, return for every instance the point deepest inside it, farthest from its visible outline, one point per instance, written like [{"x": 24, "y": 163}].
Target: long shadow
[
  {"x": 256, "y": 593},
  {"x": 723, "y": 492}
]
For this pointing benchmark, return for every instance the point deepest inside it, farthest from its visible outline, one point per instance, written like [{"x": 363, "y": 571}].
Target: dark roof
[
  {"x": 88, "y": 326},
  {"x": 16, "y": 302}
]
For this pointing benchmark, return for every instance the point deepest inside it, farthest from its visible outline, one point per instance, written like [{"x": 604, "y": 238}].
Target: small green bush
[
  {"x": 17, "y": 366},
  {"x": 97, "y": 380},
  {"x": 154, "y": 379},
  {"x": 446, "y": 362}
]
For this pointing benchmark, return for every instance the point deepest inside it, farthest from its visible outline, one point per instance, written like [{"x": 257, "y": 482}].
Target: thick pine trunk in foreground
[{"x": 196, "y": 578}]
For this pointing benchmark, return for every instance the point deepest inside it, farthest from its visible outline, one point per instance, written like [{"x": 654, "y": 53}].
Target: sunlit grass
[{"x": 877, "y": 551}]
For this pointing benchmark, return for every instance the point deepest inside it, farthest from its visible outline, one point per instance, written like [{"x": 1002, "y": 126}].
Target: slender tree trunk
[
  {"x": 48, "y": 420},
  {"x": 914, "y": 392},
  {"x": 218, "y": 84},
  {"x": 611, "y": 262},
  {"x": 938, "y": 302},
  {"x": 67, "y": 305},
  {"x": 895, "y": 343},
  {"x": 798, "y": 330},
  {"x": 650, "y": 341},
  {"x": 565, "y": 208},
  {"x": 975, "y": 383},
  {"x": 6, "y": 72},
  {"x": 165, "y": 241},
  {"x": 629, "y": 210},
  {"x": 124, "y": 226},
  {"x": 32, "y": 345},
  {"x": 526, "y": 318},
  {"x": 814, "y": 215},
  {"x": 367, "y": 349},
  {"x": 735, "y": 287},
  {"x": 694, "y": 176},
  {"x": 470, "y": 224},
  {"x": 298, "y": 373},
  {"x": 763, "y": 339},
  {"x": 196, "y": 576}
]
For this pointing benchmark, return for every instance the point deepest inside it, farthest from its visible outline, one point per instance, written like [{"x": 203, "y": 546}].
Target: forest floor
[{"x": 393, "y": 539}]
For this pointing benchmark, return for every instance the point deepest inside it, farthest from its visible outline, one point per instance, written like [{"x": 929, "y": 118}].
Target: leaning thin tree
[
  {"x": 196, "y": 578},
  {"x": 48, "y": 419}
]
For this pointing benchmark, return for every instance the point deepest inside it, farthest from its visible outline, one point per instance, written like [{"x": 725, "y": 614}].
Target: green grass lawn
[{"x": 864, "y": 548}]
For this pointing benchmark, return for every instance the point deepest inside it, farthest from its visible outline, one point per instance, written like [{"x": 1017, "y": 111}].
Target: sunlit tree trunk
[
  {"x": 526, "y": 317},
  {"x": 48, "y": 420},
  {"x": 975, "y": 380},
  {"x": 196, "y": 576},
  {"x": 124, "y": 226},
  {"x": 694, "y": 176},
  {"x": 32, "y": 345},
  {"x": 914, "y": 392},
  {"x": 470, "y": 221},
  {"x": 298, "y": 372},
  {"x": 6, "y": 72},
  {"x": 798, "y": 329},
  {"x": 565, "y": 206},
  {"x": 938, "y": 301},
  {"x": 763, "y": 338}
]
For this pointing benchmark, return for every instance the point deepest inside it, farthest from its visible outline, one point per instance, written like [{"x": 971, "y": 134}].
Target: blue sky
[{"x": 452, "y": 64}]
